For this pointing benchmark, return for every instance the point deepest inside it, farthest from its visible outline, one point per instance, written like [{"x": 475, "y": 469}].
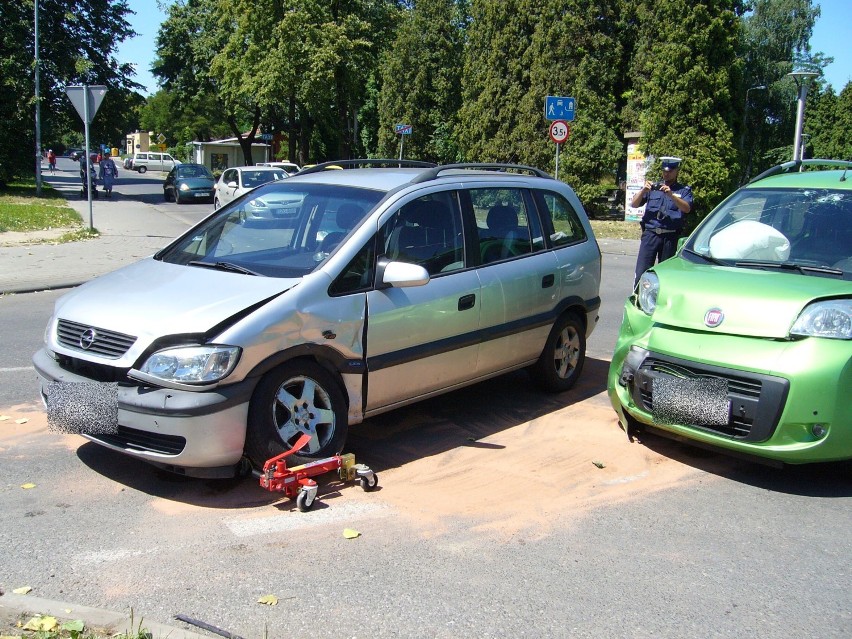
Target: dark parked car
[
  {"x": 189, "y": 182},
  {"x": 75, "y": 154}
]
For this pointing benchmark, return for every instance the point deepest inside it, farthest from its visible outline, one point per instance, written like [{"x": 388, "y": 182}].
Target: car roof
[
  {"x": 389, "y": 177},
  {"x": 831, "y": 174},
  {"x": 255, "y": 168}
]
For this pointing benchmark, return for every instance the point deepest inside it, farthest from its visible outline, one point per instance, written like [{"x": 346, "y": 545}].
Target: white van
[{"x": 151, "y": 161}]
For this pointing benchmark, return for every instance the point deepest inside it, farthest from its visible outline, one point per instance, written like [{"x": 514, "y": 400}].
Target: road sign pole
[
  {"x": 557, "y": 160},
  {"x": 86, "y": 119},
  {"x": 401, "y": 142}
]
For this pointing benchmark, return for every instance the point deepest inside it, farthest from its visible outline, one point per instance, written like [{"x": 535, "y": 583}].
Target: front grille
[
  {"x": 110, "y": 344},
  {"x": 756, "y": 400},
  {"x": 143, "y": 441}
]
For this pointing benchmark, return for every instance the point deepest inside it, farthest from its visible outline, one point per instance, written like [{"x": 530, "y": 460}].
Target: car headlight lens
[
  {"x": 831, "y": 319},
  {"x": 192, "y": 364},
  {"x": 649, "y": 288},
  {"x": 184, "y": 186},
  {"x": 258, "y": 204}
]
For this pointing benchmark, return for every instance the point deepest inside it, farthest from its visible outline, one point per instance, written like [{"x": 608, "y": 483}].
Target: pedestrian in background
[
  {"x": 51, "y": 160},
  {"x": 667, "y": 204},
  {"x": 108, "y": 171}
]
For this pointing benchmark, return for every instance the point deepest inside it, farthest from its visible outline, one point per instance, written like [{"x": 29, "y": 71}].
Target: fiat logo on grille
[
  {"x": 714, "y": 317},
  {"x": 87, "y": 338}
]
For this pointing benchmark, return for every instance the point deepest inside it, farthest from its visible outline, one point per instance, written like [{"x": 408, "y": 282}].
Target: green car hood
[{"x": 755, "y": 303}]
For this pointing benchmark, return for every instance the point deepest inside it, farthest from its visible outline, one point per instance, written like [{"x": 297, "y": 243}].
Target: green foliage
[
  {"x": 21, "y": 210},
  {"x": 685, "y": 83},
  {"x": 420, "y": 80}
]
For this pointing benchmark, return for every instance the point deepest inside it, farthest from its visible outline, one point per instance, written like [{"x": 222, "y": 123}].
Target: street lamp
[
  {"x": 800, "y": 77},
  {"x": 759, "y": 87}
]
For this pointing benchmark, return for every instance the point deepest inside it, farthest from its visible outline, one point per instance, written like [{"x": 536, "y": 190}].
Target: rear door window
[
  {"x": 560, "y": 219},
  {"x": 505, "y": 222}
]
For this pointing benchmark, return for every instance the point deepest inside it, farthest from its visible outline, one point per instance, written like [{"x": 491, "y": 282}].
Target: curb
[{"x": 13, "y": 605}]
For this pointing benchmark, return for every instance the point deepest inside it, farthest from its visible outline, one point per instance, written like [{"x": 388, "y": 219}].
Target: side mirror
[
  {"x": 400, "y": 274},
  {"x": 232, "y": 185}
]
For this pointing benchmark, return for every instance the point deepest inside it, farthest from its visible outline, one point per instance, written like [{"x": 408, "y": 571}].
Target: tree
[
  {"x": 77, "y": 41},
  {"x": 685, "y": 81},
  {"x": 775, "y": 35},
  {"x": 420, "y": 79},
  {"x": 828, "y": 119}
]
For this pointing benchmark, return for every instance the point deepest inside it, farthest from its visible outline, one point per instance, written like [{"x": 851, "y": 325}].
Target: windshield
[
  {"x": 808, "y": 231},
  {"x": 253, "y": 178},
  {"x": 282, "y": 229},
  {"x": 193, "y": 171}
]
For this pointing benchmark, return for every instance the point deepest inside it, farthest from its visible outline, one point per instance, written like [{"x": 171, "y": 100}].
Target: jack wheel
[
  {"x": 366, "y": 485},
  {"x": 303, "y": 502}
]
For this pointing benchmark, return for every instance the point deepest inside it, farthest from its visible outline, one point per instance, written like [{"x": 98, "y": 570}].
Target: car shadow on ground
[
  {"x": 67, "y": 181},
  {"x": 832, "y": 479},
  {"x": 431, "y": 427}
]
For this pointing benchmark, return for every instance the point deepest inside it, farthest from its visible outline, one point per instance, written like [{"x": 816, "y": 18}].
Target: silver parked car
[
  {"x": 239, "y": 180},
  {"x": 370, "y": 289}
]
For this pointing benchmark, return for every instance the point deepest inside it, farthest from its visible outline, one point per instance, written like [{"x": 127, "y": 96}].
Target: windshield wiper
[
  {"x": 224, "y": 266},
  {"x": 792, "y": 266},
  {"x": 710, "y": 259}
]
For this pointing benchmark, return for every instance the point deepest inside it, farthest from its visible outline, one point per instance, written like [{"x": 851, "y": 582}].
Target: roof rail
[
  {"x": 798, "y": 164},
  {"x": 434, "y": 172},
  {"x": 367, "y": 162}
]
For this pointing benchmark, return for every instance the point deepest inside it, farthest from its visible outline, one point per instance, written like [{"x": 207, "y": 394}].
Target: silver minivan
[
  {"x": 362, "y": 290},
  {"x": 153, "y": 161}
]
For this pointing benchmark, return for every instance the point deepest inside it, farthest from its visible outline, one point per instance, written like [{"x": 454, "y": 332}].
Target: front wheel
[
  {"x": 216, "y": 203},
  {"x": 561, "y": 362},
  {"x": 142, "y": 169},
  {"x": 299, "y": 397}
]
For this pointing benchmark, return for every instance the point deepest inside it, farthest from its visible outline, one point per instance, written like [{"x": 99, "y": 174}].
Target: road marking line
[{"x": 288, "y": 521}]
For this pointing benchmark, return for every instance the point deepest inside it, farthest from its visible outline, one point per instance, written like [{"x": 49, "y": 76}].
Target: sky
[{"x": 831, "y": 35}]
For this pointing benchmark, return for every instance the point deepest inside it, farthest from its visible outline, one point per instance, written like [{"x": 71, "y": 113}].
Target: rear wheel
[
  {"x": 561, "y": 362},
  {"x": 299, "y": 397},
  {"x": 216, "y": 203},
  {"x": 142, "y": 169}
]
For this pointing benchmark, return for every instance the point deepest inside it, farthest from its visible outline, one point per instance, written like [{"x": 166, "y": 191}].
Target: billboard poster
[{"x": 637, "y": 165}]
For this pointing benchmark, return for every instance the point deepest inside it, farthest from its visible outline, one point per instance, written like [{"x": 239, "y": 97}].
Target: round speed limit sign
[{"x": 559, "y": 131}]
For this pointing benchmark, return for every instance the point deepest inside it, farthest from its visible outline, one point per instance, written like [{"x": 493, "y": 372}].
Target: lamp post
[
  {"x": 759, "y": 87},
  {"x": 37, "y": 108},
  {"x": 800, "y": 77}
]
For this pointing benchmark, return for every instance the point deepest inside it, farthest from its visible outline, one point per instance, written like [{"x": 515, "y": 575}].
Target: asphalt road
[{"x": 490, "y": 521}]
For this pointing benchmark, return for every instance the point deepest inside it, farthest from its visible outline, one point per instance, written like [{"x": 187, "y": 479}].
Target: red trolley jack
[{"x": 296, "y": 481}]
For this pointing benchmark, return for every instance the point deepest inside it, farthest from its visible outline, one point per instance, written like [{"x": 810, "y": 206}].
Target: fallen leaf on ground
[
  {"x": 268, "y": 600},
  {"x": 348, "y": 533},
  {"x": 28, "y": 485},
  {"x": 23, "y": 420},
  {"x": 599, "y": 464},
  {"x": 76, "y": 625},
  {"x": 41, "y": 624},
  {"x": 3, "y": 418},
  {"x": 23, "y": 590}
]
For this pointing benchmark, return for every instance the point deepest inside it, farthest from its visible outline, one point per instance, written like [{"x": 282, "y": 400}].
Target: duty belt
[{"x": 660, "y": 231}]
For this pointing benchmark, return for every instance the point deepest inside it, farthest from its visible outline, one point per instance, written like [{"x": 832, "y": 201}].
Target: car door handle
[
  {"x": 548, "y": 280},
  {"x": 467, "y": 302}
]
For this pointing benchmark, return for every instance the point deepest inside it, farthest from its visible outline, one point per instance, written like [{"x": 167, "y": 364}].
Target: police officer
[{"x": 667, "y": 204}]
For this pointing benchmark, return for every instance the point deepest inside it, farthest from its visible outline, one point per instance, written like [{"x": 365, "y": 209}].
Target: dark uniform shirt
[{"x": 661, "y": 211}]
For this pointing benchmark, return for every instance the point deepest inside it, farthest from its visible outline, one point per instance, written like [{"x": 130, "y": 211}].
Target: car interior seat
[
  {"x": 504, "y": 236},
  {"x": 347, "y": 216}
]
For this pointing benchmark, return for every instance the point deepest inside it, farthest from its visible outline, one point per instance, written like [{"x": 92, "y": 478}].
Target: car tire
[
  {"x": 561, "y": 362},
  {"x": 142, "y": 169},
  {"x": 177, "y": 198},
  {"x": 216, "y": 203},
  {"x": 298, "y": 397},
  {"x": 166, "y": 196}
]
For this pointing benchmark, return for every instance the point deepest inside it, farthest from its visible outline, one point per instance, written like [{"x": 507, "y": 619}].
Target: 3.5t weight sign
[{"x": 559, "y": 131}]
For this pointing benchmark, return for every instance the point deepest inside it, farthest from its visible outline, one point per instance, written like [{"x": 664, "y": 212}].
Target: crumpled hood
[
  {"x": 150, "y": 299},
  {"x": 755, "y": 303}
]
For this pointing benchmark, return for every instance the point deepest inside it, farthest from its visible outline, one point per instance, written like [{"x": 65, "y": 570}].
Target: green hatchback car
[{"x": 742, "y": 342}]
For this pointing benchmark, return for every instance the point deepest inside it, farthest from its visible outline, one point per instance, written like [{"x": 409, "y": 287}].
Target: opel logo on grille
[
  {"x": 714, "y": 317},
  {"x": 88, "y": 338}
]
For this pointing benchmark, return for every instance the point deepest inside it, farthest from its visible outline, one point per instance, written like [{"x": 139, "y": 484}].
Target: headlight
[
  {"x": 192, "y": 364},
  {"x": 258, "y": 204},
  {"x": 831, "y": 319},
  {"x": 649, "y": 288},
  {"x": 184, "y": 186}
]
